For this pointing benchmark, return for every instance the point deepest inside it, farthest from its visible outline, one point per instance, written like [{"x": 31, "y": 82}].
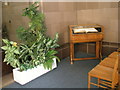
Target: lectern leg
[
  {"x": 71, "y": 52},
  {"x": 100, "y": 50},
  {"x": 97, "y": 50}
]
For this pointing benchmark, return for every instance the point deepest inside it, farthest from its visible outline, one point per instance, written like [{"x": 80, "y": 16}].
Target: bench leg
[
  {"x": 98, "y": 82},
  {"x": 89, "y": 78}
]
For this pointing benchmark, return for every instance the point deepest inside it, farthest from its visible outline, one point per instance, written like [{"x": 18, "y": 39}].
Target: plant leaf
[
  {"x": 4, "y": 47},
  {"x": 5, "y": 41},
  {"x": 16, "y": 51}
]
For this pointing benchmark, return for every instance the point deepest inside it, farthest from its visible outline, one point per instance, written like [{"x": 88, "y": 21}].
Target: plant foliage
[{"x": 36, "y": 48}]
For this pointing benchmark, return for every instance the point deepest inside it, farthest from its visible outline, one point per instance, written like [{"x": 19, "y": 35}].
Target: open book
[{"x": 84, "y": 30}]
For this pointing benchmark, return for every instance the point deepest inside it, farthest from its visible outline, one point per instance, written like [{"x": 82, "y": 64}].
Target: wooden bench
[{"x": 106, "y": 72}]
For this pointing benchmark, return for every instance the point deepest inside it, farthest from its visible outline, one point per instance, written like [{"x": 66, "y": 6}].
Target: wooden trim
[
  {"x": 97, "y": 85},
  {"x": 105, "y": 83},
  {"x": 99, "y": 77},
  {"x": 84, "y": 58}
]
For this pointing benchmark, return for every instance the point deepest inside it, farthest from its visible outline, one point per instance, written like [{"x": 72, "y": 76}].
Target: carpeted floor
[{"x": 64, "y": 76}]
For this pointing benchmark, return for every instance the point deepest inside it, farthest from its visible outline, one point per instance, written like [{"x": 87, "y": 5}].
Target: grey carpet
[{"x": 64, "y": 76}]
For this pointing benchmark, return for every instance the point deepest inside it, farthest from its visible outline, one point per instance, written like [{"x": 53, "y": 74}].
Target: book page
[
  {"x": 84, "y": 30},
  {"x": 90, "y": 30}
]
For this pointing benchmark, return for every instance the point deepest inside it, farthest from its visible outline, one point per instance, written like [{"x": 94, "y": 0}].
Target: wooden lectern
[{"x": 82, "y": 37}]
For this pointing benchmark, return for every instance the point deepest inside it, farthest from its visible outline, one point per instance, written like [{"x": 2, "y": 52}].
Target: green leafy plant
[
  {"x": 12, "y": 53},
  {"x": 36, "y": 47}
]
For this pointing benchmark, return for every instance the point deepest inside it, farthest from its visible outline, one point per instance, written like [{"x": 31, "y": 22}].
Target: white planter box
[{"x": 26, "y": 76}]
